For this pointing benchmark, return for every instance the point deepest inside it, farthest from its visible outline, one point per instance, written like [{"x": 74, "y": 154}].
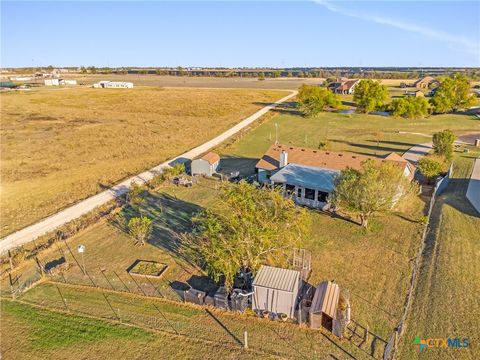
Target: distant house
[
  {"x": 7, "y": 85},
  {"x": 416, "y": 93},
  {"x": 308, "y": 175},
  {"x": 113, "y": 85},
  {"x": 343, "y": 86},
  {"x": 276, "y": 290},
  {"x": 206, "y": 165},
  {"x": 426, "y": 82},
  {"x": 58, "y": 82}
]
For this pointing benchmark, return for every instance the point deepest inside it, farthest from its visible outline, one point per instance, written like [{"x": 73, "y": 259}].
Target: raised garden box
[{"x": 147, "y": 268}]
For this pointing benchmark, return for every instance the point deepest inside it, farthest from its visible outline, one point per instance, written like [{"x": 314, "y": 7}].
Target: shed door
[{"x": 327, "y": 322}]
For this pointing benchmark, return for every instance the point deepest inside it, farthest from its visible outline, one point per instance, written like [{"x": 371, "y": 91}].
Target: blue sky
[{"x": 230, "y": 34}]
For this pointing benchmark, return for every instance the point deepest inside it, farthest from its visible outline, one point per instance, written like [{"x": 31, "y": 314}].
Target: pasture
[{"x": 59, "y": 146}]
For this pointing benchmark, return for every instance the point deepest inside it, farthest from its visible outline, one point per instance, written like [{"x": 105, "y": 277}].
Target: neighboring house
[
  {"x": 7, "y": 84},
  {"x": 343, "y": 87},
  {"x": 426, "y": 82},
  {"x": 276, "y": 290},
  {"x": 58, "y": 82},
  {"x": 113, "y": 85},
  {"x": 206, "y": 165},
  {"x": 308, "y": 175}
]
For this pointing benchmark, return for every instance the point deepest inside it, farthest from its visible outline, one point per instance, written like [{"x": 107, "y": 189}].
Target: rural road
[
  {"x": 473, "y": 191},
  {"x": 53, "y": 222}
]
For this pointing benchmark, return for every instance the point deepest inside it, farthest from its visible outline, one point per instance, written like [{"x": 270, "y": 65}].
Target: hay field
[{"x": 62, "y": 145}]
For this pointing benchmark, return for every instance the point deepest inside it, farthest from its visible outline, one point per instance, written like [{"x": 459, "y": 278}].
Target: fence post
[{"x": 245, "y": 339}]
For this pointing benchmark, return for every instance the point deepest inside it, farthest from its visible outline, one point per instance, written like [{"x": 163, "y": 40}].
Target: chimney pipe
[{"x": 283, "y": 159}]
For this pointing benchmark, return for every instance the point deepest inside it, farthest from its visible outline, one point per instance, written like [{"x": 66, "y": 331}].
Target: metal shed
[
  {"x": 276, "y": 290},
  {"x": 206, "y": 165},
  {"x": 324, "y": 305}
]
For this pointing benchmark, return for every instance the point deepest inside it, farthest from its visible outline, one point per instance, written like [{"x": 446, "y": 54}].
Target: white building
[
  {"x": 58, "y": 82},
  {"x": 113, "y": 84}
]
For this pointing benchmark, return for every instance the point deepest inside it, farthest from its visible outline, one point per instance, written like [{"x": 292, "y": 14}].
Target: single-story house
[
  {"x": 58, "y": 82},
  {"x": 426, "y": 82},
  {"x": 323, "y": 310},
  {"x": 276, "y": 290},
  {"x": 206, "y": 165},
  {"x": 113, "y": 84},
  {"x": 343, "y": 87},
  {"x": 308, "y": 175}
]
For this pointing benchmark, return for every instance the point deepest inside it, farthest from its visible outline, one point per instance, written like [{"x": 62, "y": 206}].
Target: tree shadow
[
  {"x": 366, "y": 146},
  {"x": 286, "y": 108},
  {"x": 172, "y": 217},
  {"x": 232, "y": 163}
]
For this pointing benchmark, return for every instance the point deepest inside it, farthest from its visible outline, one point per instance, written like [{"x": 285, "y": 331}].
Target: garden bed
[{"x": 147, "y": 268}]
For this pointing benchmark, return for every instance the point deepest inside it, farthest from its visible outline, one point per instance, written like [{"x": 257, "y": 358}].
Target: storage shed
[
  {"x": 324, "y": 305},
  {"x": 276, "y": 290},
  {"x": 206, "y": 165}
]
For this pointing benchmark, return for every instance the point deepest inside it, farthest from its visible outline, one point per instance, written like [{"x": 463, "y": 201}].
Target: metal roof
[
  {"x": 326, "y": 299},
  {"x": 306, "y": 176},
  {"x": 276, "y": 278}
]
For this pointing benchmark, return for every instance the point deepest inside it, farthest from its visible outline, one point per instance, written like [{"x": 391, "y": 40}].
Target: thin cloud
[{"x": 467, "y": 44}]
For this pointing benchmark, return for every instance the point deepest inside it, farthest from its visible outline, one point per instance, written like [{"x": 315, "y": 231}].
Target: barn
[
  {"x": 206, "y": 165},
  {"x": 276, "y": 290},
  {"x": 323, "y": 310}
]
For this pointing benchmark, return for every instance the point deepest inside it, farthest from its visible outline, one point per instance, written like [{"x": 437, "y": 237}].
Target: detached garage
[
  {"x": 276, "y": 290},
  {"x": 206, "y": 165}
]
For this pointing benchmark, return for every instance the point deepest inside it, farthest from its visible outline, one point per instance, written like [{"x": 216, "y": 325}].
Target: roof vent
[
  {"x": 303, "y": 149},
  {"x": 314, "y": 151},
  {"x": 354, "y": 157},
  {"x": 327, "y": 153},
  {"x": 340, "y": 154}
]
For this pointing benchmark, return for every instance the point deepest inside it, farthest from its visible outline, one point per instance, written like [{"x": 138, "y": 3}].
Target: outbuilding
[
  {"x": 276, "y": 290},
  {"x": 323, "y": 310},
  {"x": 206, "y": 165}
]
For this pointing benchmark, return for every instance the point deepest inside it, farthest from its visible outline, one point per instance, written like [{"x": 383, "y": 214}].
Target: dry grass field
[{"x": 61, "y": 145}]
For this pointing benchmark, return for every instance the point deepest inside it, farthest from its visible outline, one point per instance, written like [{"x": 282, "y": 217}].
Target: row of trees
[{"x": 452, "y": 94}]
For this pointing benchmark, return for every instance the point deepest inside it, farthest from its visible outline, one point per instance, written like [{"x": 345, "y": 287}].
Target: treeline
[
  {"x": 452, "y": 94},
  {"x": 352, "y": 73}
]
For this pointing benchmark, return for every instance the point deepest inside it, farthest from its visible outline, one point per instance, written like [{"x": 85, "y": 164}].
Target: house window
[
  {"x": 289, "y": 189},
  {"x": 309, "y": 194},
  {"x": 322, "y": 196},
  {"x": 299, "y": 192}
]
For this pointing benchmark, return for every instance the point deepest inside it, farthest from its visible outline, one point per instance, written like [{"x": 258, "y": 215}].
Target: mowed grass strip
[
  {"x": 61, "y": 145},
  {"x": 196, "y": 323},
  {"x": 29, "y": 332},
  {"x": 446, "y": 298}
]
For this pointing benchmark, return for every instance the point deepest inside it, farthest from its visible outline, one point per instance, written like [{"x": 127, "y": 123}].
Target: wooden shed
[
  {"x": 324, "y": 305},
  {"x": 206, "y": 165},
  {"x": 276, "y": 290}
]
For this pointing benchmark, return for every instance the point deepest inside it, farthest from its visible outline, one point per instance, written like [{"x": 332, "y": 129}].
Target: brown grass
[{"x": 61, "y": 145}]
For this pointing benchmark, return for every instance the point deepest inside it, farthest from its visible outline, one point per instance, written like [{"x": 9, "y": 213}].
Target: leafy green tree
[
  {"x": 261, "y": 76},
  {"x": 443, "y": 143},
  {"x": 453, "y": 94},
  {"x": 313, "y": 99},
  {"x": 140, "y": 228},
  {"x": 370, "y": 95},
  {"x": 431, "y": 167},
  {"x": 250, "y": 227},
  {"x": 135, "y": 196},
  {"x": 83, "y": 70},
  {"x": 289, "y": 74},
  {"x": 409, "y": 107},
  {"x": 371, "y": 190}
]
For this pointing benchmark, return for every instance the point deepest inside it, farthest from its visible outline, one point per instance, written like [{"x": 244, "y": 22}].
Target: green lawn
[
  {"x": 29, "y": 332},
  {"x": 446, "y": 302}
]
